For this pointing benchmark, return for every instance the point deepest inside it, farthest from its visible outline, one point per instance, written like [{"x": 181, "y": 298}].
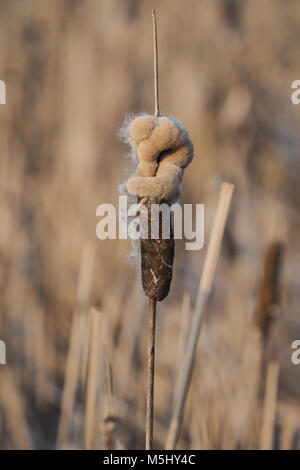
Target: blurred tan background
[{"x": 73, "y": 70}]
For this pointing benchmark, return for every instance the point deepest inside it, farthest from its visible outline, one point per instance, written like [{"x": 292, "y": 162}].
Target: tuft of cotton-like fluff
[{"x": 163, "y": 149}]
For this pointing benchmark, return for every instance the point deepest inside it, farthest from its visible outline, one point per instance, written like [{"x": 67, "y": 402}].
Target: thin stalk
[
  {"x": 208, "y": 273},
  {"x": 152, "y": 303},
  {"x": 150, "y": 374},
  {"x": 71, "y": 379},
  {"x": 269, "y": 407},
  {"x": 155, "y": 50},
  {"x": 91, "y": 411},
  {"x": 109, "y": 422}
]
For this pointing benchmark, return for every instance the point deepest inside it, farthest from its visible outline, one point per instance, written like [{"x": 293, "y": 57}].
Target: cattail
[
  {"x": 163, "y": 149},
  {"x": 268, "y": 305},
  {"x": 269, "y": 288}
]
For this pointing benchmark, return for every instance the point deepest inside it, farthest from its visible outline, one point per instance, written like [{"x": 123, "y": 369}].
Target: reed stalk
[
  {"x": 208, "y": 273},
  {"x": 93, "y": 381}
]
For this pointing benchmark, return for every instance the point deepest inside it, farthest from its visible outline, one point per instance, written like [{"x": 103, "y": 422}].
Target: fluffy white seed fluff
[{"x": 163, "y": 149}]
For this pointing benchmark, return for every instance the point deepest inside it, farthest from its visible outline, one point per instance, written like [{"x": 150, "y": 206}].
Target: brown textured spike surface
[{"x": 157, "y": 256}]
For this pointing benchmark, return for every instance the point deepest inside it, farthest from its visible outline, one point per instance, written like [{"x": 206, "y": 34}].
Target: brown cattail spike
[
  {"x": 157, "y": 254},
  {"x": 269, "y": 288}
]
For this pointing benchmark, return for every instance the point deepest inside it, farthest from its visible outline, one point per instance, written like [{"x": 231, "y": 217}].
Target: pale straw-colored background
[{"x": 73, "y": 70}]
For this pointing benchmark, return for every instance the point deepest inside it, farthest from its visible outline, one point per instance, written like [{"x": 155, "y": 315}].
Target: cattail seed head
[{"x": 163, "y": 149}]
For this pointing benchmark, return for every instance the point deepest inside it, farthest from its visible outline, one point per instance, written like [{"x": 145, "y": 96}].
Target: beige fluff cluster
[{"x": 163, "y": 149}]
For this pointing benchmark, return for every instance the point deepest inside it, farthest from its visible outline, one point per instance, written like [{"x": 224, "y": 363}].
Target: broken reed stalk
[
  {"x": 269, "y": 406},
  {"x": 208, "y": 273}
]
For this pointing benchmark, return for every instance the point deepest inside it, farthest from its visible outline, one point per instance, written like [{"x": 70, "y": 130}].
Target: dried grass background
[{"x": 73, "y": 70}]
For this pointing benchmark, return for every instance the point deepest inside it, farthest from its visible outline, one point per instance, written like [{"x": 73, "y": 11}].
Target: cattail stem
[
  {"x": 150, "y": 374},
  {"x": 152, "y": 302},
  {"x": 156, "y": 110}
]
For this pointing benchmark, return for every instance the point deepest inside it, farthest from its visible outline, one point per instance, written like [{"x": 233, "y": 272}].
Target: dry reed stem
[
  {"x": 39, "y": 345},
  {"x": 15, "y": 413},
  {"x": 269, "y": 407},
  {"x": 138, "y": 426},
  {"x": 83, "y": 298},
  {"x": 130, "y": 339},
  {"x": 78, "y": 347},
  {"x": 109, "y": 422},
  {"x": 214, "y": 246},
  {"x": 93, "y": 381},
  {"x": 205, "y": 285},
  {"x": 35, "y": 344},
  {"x": 85, "y": 329},
  {"x": 288, "y": 428},
  {"x": 184, "y": 326},
  {"x": 71, "y": 379},
  {"x": 289, "y": 418}
]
